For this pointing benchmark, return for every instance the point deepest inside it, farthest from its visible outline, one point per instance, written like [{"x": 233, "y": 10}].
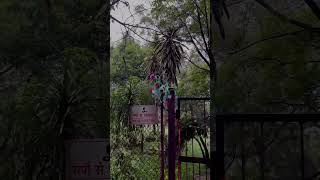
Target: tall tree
[{"x": 53, "y": 54}]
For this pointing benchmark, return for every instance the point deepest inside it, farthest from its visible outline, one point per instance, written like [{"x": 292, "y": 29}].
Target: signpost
[
  {"x": 87, "y": 159},
  {"x": 143, "y": 115}
]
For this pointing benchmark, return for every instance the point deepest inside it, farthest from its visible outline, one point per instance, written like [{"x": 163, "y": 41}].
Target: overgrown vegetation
[
  {"x": 267, "y": 63},
  {"x": 52, "y": 54}
]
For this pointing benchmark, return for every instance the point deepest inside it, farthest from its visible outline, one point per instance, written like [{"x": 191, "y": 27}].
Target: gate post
[
  {"x": 219, "y": 158},
  {"x": 172, "y": 136},
  {"x": 301, "y": 150},
  {"x": 161, "y": 139},
  {"x": 179, "y": 137}
]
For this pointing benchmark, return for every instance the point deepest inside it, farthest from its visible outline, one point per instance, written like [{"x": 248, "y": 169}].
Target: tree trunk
[
  {"x": 102, "y": 48},
  {"x": 217, "y": 169}
]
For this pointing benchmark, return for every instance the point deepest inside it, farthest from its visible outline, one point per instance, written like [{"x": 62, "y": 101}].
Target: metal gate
[
  {"x": 193, "y": 138},
  {"x": 271, "y": 146},
  {"x": 263, "y": 146}
]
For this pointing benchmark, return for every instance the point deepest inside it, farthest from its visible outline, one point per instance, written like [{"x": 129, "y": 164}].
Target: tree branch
[
  {"x": 235, "y": 3},
  {"x": 189, "y": 59},
  {"x": 207, "y": 19},
  {"x": 201, "y": 28},
  {"x": 5, "y": 70},
  {"x": 134, "y": 32},
  {"x": 313, "y": 6},
  {"x": 114, "y": 2},
  {"x": 193, "y": 42},
  {"x": 233, "y": 158},
  {"x": 135, "y": 26},
  {"x": 265, "y": 39},
  {"x": 286, "y": 19},
  {"x": 313, "y": 61},
  {"x": 216, "y": 10},
  {"x": 104, "y": 8}
]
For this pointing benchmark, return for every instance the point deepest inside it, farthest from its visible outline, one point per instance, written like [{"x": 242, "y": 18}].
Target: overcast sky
[{"x": 122, "y": 13}]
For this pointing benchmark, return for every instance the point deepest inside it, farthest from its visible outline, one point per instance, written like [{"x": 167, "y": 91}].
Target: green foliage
[
  {"x": 193, "y": 82},
  {"x": 170, "y": 14},
  {"x": 130, "y": 87},
  {"x": 127, "y": 60},
  {"x": 51, "y": 89}
]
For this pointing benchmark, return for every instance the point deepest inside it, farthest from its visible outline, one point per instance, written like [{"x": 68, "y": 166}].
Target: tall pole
[
  {"x": 243, "y": 161},
  {"x": 179, "y": 141},
  {"x": 161, "y": 139},
  {"x": 262, "y": 149},
  {"x": 172, "y": 136},
  {"x": 302, "y": 150}
]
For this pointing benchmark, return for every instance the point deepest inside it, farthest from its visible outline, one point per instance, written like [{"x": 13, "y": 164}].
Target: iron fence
[{"x": 254, "y": 146}]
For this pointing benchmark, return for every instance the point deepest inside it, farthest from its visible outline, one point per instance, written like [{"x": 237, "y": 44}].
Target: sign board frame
[
  {"x": 87, "y": 159},
  {"x": 144, "y": 115}
]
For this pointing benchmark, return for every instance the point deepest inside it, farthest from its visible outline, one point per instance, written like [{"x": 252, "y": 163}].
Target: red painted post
[
  {"x": 172, "y": 136},
  {"x": 161, "y": 139},
  {"x": 179, "y": 149},
  {"x": 179, "y": 137}
]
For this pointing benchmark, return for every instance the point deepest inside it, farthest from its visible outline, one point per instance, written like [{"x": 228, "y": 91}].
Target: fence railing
[{"x": 263, "y": 146}]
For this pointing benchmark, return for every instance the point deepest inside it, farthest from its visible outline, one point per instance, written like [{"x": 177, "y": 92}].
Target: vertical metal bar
[
  {"x": 179, "y": 146},
  {"x": 204, "y": 112},
  {"x": 162, "y": 139},
  {"x": 186, "y": 162},
  {"x": 205, "y": 139},
  {"x": 63, "y": 160},
  {"x": 206, "y": 173},
  {"x": 186, "y": 152},
  {"x": 192, "y": 156},
  {"x": 219, "y": 166},
  {"x": 243, "y": 164},
  {"x": 262, "y": 151},
  {"x": 179, "y": 153},
  {"x": 302, "y": 149},
  {"x": 172, "y": 136},
  {"x": 142, "y": 139}
]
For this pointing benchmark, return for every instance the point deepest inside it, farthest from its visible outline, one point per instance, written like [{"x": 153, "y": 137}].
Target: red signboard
[{"x": 143, "y": 115}]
